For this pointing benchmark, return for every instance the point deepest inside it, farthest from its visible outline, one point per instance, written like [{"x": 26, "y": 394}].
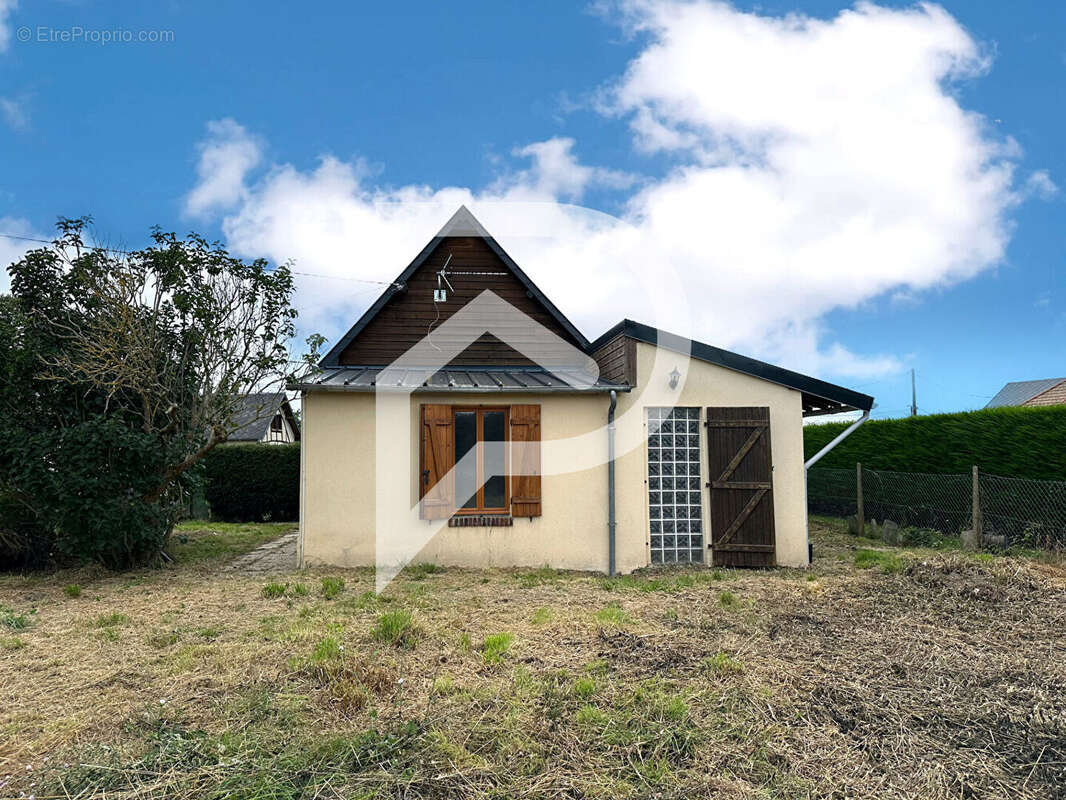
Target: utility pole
[{"x": 914, "y": 396}]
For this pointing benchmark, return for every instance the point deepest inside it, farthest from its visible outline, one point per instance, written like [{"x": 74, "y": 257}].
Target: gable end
[{"x": 406, "y": 312}]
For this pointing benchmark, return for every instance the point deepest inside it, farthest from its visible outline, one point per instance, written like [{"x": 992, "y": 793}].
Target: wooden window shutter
[
  {"x": 525, "y": 461},
  {"x": 438, "y": 457}
]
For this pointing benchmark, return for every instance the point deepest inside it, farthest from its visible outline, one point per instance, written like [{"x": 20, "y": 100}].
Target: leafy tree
[{"x": 122, "y": 371}]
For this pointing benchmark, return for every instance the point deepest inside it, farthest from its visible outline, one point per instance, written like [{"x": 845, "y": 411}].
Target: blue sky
[{"x": 538, "y": 103}]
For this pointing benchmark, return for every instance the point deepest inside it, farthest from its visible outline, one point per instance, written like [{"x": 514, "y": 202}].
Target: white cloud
[
  {"x": 556, "y": 173},
  {"x": 819, "y": 164},
  {"x": 226, "y": 157},
  {"x": 1040, "y": 184},
  {"x": 11, "y": 250},
  {"x": 7, "y": 8},
  {"x": 14, "y": 113}
]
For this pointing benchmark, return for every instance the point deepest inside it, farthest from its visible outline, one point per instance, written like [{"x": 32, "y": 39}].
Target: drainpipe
[
  {"x": 844, "y": 434},
  {"x": 610, "y": 483}
]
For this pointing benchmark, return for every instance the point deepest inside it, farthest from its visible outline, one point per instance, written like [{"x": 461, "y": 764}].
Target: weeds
[
  {"x": 327, "y": 649},
  {"x": 395, "y": 628},
  {"x": 444, "y": 685},
  {"x": 72, "y": 590},
  {"x": 888, "y": 562},
  {"x": 111, "y": 620},
  {"x": 538, "y": 577},
  {"x": 541, "y": 616},
  {"x": 162, "y": 639},
  {"x": 723, "y": 664},
  {"x": 583, "y": 688},
  {"x": 496, "y": 646},
  {"x": 300, "y": 590},
  {"x": 248, "y": 762},
  {"x": 613, "y": 615},
  {"x": 660, "y": 582},
  {"x": 13, "y": 621},
  {"x": 274, "y": 590},
  {"x": 418, "y": 572},
  {"x": 332, "y": 587}
]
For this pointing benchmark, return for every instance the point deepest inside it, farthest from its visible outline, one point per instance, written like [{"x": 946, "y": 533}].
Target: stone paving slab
[{"x": 276, "y": 556}]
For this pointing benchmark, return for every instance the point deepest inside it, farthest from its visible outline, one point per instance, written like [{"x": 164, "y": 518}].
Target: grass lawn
[
  {"x": 881, "y": 672},
  {"x": 199, "y": 541}
]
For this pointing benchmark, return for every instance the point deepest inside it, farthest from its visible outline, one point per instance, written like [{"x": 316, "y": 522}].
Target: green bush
[
  {"x": 1014, "y": 442},
  {"x": 253, "y": 482},
  {"x": 99, "y": 507}
]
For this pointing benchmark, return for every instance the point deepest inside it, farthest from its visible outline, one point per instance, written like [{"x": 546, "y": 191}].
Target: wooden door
[{"x": 741, "y": 484}]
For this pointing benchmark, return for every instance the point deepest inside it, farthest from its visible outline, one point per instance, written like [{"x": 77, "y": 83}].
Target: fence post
[
  {"x": 978, "y": 523},
  {"x": 858, "y": 498}
]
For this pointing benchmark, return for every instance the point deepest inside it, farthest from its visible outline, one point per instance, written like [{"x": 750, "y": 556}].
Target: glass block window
[{"x": 674, "y": 492}]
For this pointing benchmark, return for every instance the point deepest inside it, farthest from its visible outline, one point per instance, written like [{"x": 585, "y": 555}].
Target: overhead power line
[{"x": 130, "y": 252}]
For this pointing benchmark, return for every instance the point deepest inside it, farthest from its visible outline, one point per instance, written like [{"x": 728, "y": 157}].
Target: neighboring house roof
[
  {"x": 819, "y": 397},
  {"x": 520, "y": 379},
  {"x": 1019, "y": 393},
  {"x": 252, "y": 420},
  {"x": 462, "y": 223}
]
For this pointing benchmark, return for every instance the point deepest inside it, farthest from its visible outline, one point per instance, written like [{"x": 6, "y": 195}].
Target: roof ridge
[{"x": 461, "y": 217}]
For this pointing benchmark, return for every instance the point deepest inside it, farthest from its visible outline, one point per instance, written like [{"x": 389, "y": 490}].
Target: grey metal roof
[
  {"x": 252, "y": 420},
  {"x": 366, "y": 379},
  {"x": 1017, "y": 393}
]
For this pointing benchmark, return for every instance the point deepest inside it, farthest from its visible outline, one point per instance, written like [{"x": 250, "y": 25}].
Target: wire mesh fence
[
  {"x": 1028, "y": 513},
  {"x": 1014, "y": 511}
]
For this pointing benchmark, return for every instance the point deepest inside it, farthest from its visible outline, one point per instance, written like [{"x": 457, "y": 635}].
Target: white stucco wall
[
  {"x": 338, "y": 493},
  {"x": 706, "y": 385}
]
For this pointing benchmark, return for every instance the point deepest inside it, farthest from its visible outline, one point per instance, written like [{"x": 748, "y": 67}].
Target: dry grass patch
[{"x": 939, "y": 679}]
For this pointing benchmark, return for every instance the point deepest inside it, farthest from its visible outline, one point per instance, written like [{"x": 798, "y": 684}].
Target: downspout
[
  {"x": 844, "y": 434},
  {"x": 610, "y": 483},
  {"x": 302, "y": 535}
]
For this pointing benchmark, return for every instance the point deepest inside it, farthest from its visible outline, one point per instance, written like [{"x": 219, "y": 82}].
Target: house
[
  {"x": 464, "y": 420},
  {"x": 266, "y": 418},
  {"x": 1046, "y": 392}
]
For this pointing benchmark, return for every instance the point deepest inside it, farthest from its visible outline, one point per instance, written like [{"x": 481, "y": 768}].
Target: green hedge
[
  {"x": 1014, "y": 442},
  {"x": 253, "y": 482}
]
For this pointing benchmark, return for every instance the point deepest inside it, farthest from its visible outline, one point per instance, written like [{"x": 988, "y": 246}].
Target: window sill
[{"x": 481, "y": 521}]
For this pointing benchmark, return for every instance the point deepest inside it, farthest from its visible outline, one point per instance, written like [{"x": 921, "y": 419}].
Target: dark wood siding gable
[
  {"x": 617, "y": 360},
  {"x": 408, "y": 315}
]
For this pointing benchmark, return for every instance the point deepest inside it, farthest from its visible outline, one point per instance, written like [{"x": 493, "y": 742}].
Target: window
[
  {"x": 501, "y": 476},
  {"x": 481, "y": 482},
  {"x": 275, "y": 424},
  {"x": 675, "y": 507}
]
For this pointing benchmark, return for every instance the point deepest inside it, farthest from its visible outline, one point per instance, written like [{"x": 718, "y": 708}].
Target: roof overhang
[
  {"x": 468, "y": 380},
  {"x": 819, "y": 397}
]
